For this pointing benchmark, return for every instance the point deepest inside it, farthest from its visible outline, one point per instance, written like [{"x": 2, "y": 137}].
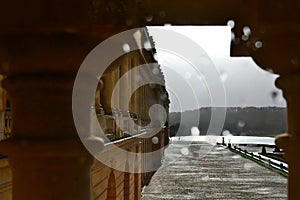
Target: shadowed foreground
[{"x": 221, "y": 174}]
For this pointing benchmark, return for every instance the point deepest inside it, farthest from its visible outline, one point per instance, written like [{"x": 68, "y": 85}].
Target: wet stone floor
[{"x": 202, "y": 171}]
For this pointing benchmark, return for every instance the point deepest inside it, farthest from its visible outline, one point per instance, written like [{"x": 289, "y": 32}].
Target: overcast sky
[{"x": 244, "y": 83}]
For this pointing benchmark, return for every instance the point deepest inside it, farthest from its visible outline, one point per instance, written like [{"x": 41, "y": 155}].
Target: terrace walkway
[{"x": 221, "y": 174}]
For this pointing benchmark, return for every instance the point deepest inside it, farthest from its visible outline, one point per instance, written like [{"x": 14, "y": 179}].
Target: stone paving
[{"x": 221, "y": 174}]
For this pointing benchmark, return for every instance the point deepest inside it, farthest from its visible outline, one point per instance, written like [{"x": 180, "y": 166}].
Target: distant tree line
[{"x": 251, "y": 121}]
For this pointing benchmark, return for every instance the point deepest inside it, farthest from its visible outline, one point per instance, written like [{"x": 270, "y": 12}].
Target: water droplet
[
  {"x": 126, "y": 47},
  {"x": 258, "y": 44},
  {"x": 249, "y": 45},
  {"x": 295, "y": 61},
  {"x": 248, "y": 166},
  {"x": 129, "y": 22},
  {"x": 241, "y": 124},
  {"x": 195, "y": 131},
  {"x": 245, "y": 37},
  {"x": 184, "y": 151},
  {"x": 231, "y": 23},
  {"x": 155, "y": 140},
  {"x": 163, "y": 97},
  {"x": 223, "y": 76},
  {"x": 226, "y": 133},
  {"x": 270, "y": 70},
  {"x": 162, "y": 14},
  {"x": 147, "y": 45},
  {"x": 187, "y": 75},
  {"x": 205, "y": 178},
  {"x": 232, "y": 36},
  {"x": 155, "y": 56},
  {"x": 149, "y": 18},
  {"x": 246, "y": 30},
  {"x": 155, "y": 70},
  {"x": 237, "y": 41},
  {"x": 274, "y": 94}
]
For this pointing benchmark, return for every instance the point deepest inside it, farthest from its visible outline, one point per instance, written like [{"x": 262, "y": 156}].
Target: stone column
[
  {"x": 124, "y": 93},
  {"x": 290, "y": 141},
  {"x": 116, "y": 75},
  {"x": 138, "y": 173},
  {"x": 134, "y": 100},
  {"x": 108, "y": 86},
  {"x": 135, "y": 95},
  {"x": 98, "y": 105},
  {"x": 124, "y": 86},
  {"x": 47, "y": 158},
  {"x": 282, "y": 56}
]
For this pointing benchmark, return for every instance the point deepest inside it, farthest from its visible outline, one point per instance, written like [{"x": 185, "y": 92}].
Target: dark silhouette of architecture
[{"x": 43, "y": 43}]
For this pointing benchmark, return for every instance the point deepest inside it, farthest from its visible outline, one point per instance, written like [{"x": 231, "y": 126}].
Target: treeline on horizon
[{"x": 250, "y": 121}]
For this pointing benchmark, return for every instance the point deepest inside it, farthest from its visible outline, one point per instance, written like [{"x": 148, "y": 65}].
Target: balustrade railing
[
  {"x": 264, "y": 159},
  {"x": 119, "y": 124},
  {"x": 6, "y": 125}
]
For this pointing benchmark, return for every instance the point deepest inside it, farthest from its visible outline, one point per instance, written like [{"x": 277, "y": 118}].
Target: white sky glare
[{"x": 244, "y": 82}]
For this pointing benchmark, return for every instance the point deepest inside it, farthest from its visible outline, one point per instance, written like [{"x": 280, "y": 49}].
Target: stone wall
[
  {"x": 121, "y": 182},
  {"x": 107, "y": 182}
]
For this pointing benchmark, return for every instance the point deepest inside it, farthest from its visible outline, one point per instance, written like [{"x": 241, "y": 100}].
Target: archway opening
[{"x": 255, "y": 109}]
